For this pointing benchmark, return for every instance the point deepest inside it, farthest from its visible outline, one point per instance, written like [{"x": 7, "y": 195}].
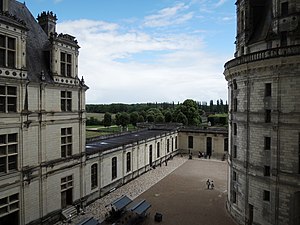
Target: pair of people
[{"x": 210, "y": 184}]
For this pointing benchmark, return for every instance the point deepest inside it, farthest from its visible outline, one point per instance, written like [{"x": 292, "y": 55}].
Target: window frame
[
  {"x": 94, "y": 175},
  {"x": 7, "y": 51},
  {"x": 66, "y": 101},
  {"x": 128, "y": 162},
  {"x": 114, "y": 168},
  {"x": 8, "y": 153},
  {"x": 66, "y": 140},
  {"x": 66, "y": 64},
  {"x": 8, "y": 99}
]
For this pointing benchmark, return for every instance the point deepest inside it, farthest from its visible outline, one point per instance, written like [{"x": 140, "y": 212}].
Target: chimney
[
  {"x": 47, "y": 21},
  {"x": 4, "y": 5}
]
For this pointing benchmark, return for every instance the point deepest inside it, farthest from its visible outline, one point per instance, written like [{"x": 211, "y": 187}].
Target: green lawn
[{"x": 101, "y": 130}]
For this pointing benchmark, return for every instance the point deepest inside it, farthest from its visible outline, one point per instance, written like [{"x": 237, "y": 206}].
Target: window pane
[
  {"x": 2, "y": 41},
  {"x": 63, "y": 94},
  {"x": 2, "y": 139},
  {"x": 14, "y": 197},
  {"x": 68, "y": 70},
  {"x": 11, "y": 59},
  {"x": 69, "y": 58},
  {"x": 63, "y": 105},
  {"x": 69, "y": 94},
  {"x": 2, "y": 57},
  {"x": 11, "y": 91},
  {"x": 12, "y": 104},
  {"x": 2, "y": 150},
  {"x": 2, "y": 104},
  {"x": 12, "y": 138},
  {"x": 3, "y": 165},
  {"x": 3, "y": 201},
  {"x": 69, "y": 130},
  {"x": 11, "y": 43},
  {"x": 69, "y": 103},
  {"x": 12, "y": 149},
  {"x": 62, "y": 57},
  {"x": 12, "y": 162},
  {"x": 63, "y": 69},
  {"x": 2, "y": 90}
]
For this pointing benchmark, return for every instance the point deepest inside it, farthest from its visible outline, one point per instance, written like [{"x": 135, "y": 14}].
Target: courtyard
[{"x": 178, "y": 191}]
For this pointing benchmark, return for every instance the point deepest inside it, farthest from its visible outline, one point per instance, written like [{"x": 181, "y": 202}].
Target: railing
[{"x": 266, "y": 54}]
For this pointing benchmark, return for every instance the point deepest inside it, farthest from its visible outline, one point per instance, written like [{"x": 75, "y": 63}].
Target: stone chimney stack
[
  {"x": 47, "y": 21},
  {"x": 4, "y": 5}
]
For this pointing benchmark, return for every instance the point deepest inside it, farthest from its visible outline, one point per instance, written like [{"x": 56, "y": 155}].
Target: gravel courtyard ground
[{"x": 178, "y": 191}]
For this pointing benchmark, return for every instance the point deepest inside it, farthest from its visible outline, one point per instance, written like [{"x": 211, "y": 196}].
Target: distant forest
[
  {"x": 213, "y": 107},
  {"x": 188, "y": 113}
]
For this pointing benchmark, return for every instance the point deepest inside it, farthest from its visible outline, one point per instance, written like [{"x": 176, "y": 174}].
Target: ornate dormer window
[
  {"x": 65, "y": 64},
  {"x": 7, "y": 51}
]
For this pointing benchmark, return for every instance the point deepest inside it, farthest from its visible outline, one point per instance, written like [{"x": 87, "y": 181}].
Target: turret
[{"x": 47, "y": 20}]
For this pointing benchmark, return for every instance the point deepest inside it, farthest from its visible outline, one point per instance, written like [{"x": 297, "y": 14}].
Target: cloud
[
  {"x": 220, "y": 2},
  {"x": 111, "y": 63},
  {"x": 169, "y": 16}
]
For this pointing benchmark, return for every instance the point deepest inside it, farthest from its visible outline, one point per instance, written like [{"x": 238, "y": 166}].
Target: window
[
  {"x": 158, "y": 150},
  {"x": 235, "y": 102},
  {"x": 128, "y": 162},
  {"x": 266, "y": 196},
  {"x": 9, "y": 204},
  {"x": 299, "y": 153},
  {"x": 176, "y": 142},
  {"x": 65, "y": 64},
  {"x": 7, "y": 52},
  {"x": 267, "y": 143},
  {"x": 284, "y": 9},
  {"x": 234, "y": 84},
  {"x": 94, "y": 175},
  {"x": 234, "y": 177},
  {"x": 66, "y": 184},
  {"x": 234, "y": 151},
  {"x": 283, "y": 39},
  {"x": 8, "y": 99},
  {"x": 234, "y": 197},
  {"x": 225, "y": 144},
  {"x": 234, "y": 129},
  {"x": 266, "y": 171},
  {"x": 173, "y": 145},
  {"x": 66, "y": 142},
  {"x": 114, "y": 168},
  {"x": 168, "y": 145},
  {"x": 190, "y": 142},
  {"x": 66, "y": 101},
  {"x": 268, "y": 89},
  {"x": 8, "y": 153},
  {"x": 268, "y": 116}
]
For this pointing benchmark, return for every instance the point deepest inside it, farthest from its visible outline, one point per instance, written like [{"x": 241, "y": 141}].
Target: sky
[{"x": 139, "y": 51}]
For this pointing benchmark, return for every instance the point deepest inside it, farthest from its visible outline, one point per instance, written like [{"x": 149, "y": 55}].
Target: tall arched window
[
  {"x": 94, "y": 175},
  {"x": 114, "y": 168},
  {"x": 128, "y": 162}
]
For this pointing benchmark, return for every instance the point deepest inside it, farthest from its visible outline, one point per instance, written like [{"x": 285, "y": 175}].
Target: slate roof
[
  {"x": 125, "y": 139},
  {"x": 37, "y": 42}
]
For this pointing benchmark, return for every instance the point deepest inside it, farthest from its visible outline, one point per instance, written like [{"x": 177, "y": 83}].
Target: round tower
[{"x": 264, "y": 114}]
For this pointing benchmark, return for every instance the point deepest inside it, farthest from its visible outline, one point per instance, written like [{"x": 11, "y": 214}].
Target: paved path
[{"x": 178, "y": 191}]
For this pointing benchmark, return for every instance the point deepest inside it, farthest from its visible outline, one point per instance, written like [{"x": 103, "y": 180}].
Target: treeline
[
  {"x": 212, "y": 107},
  {"x": 188, "y": 113}
]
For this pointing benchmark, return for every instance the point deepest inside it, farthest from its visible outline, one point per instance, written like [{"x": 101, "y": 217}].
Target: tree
[
  {"x": 134, "y": 118},
  {"x": 168, "y": 116},
  {"x": 181, "y": 118},
  {"x": 124, "y": 119},
  {"x": 107, "y": 119},
  {"x": 141, "y": 119}
]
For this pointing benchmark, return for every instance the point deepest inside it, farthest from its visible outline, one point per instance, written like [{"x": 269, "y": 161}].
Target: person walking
[
  {"x": 212, "y": 184},
  {"x": 208, "y": 183}
]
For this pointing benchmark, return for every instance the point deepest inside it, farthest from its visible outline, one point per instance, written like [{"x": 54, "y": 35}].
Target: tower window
[
  {"x": 267, "y": 143},
  {"x": 268, "y": 116},
  {"x": 234, "y": 84},
  {"x": 284, "y": 9},
  {"x": 234, "y": 151},
  {"x": 268, "y": 89},
  {"x": 234, "y": 129},
  {"x": 266, "y": 196},
  {"x": 235, "y": 102},
  {"x": 267, "y": 171}
]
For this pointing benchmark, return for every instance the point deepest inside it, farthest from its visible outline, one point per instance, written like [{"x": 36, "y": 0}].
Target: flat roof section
[{"x": 124, "y": 139}]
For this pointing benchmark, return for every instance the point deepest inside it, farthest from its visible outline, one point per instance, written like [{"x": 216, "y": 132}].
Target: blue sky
[{"x": 148, "y": 50}]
